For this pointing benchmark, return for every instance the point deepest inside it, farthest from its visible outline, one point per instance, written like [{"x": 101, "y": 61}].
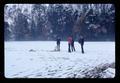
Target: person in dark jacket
[
  {"x": 58, "y": 43},
  {"x": 69, "y": 43},
  {"x": 72, "y": 44},
  {"x": 81, "y": 41}
]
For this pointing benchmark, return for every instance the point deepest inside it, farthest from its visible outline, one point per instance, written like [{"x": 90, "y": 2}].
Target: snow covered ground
[{"x": 35, "y": 59}]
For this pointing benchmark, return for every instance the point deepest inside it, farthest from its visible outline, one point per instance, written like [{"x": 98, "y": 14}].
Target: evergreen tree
[
  {"x": 21, "y": 26},
  {"x": 6, "y": 31}
]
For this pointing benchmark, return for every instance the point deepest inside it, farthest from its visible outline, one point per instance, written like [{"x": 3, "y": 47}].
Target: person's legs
[
  {"x": 59, "y": 47},
  {"x": 69, "y": 48},
  {"x": 74, "y": 48},
  {"x": 82, "y": 48}
]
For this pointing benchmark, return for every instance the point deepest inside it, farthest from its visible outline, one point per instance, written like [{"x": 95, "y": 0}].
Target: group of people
[{"x": 71, "y": 46}]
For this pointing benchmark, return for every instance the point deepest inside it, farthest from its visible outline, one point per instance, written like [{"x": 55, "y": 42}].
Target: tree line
[{"x": 46, "y": 22}]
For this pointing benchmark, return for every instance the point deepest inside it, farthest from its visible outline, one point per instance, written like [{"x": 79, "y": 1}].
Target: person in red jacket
[{"x": 69, "y": 43}]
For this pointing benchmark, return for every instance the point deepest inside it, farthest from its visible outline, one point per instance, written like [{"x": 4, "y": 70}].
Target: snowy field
[{"x": 37, "y": 60}]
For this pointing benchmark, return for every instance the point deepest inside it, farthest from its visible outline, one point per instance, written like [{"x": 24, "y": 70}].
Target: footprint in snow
[
  {"x": 31, "y": 59},
  {"x": 31, "y": 50}
]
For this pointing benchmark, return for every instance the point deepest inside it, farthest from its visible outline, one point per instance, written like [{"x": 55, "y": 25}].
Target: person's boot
[
  {"x": 82, "y": 52},
  {"x": 69, "y": 50}
]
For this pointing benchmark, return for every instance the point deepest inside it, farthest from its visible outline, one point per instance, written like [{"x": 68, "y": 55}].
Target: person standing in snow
[
  {"x": 72, "y": 44},
  {"x": 69, "y": 43},
  {"x": 58, "y": 43},
  {"x": 81, "y": 41}
]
